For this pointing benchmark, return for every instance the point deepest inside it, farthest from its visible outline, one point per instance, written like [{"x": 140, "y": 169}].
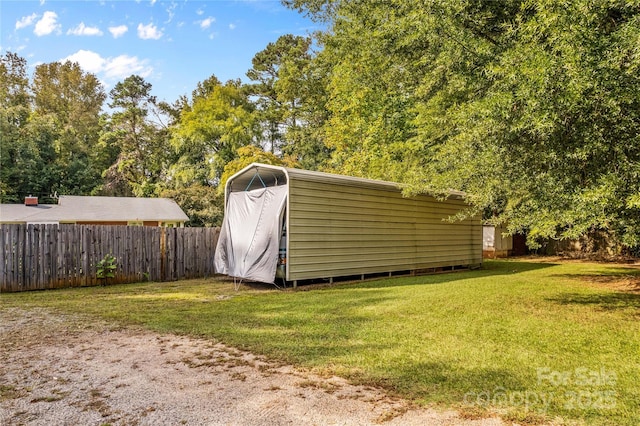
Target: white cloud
[
  {"x": 118, "y": 31},
  {"x": 149, "y": 31},
  {"x": 116, "y": 68},
  {"x": 47, "y": 24},
  {"x": 171, "y": 12},
  {"x": 26, "y": 21},
  {"x": 123, "y": 66},
  {"x": 200, "y": 12},
  {"x": 89, "y": 61},
  {"x": 206, "y": 23},
  {"x": 83, "y": 30},
  {"x": 232, "y": 26}
]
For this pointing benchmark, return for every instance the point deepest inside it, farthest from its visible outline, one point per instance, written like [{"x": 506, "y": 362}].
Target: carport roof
[{"x": 254, "y": 175}]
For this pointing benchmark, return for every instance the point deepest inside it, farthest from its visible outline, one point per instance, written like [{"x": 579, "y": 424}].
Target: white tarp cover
[{"x": 250, "y": 234}]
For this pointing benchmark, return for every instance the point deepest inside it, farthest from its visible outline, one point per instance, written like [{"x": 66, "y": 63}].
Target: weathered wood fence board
[{"x": 35, "y": 257}]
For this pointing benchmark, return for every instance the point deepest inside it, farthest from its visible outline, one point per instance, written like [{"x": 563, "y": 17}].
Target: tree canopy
[
  {"x": 49, "y": 128},
  {"x": 531, "y": 108}
]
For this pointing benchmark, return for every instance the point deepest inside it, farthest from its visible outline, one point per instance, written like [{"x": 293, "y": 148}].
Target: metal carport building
[{"x": 330, "y": 226}]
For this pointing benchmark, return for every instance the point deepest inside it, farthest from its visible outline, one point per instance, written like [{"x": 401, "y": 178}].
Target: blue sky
[{"x": 172, "y": 44}]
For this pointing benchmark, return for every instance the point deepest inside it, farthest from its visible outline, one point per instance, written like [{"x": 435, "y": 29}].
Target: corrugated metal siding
[{"x": 350, "y": 229}]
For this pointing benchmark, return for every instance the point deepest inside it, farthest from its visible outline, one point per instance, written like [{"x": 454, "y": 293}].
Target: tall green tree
[
  {"x": 71, "y": 101},
  {"x": 205, "y": 135},
  {"x": 290, "y": 99},
  {"x": 139, "y": 131},
  {"x": 14, "y": 114},
  {"x": 277, "y": 103},
  {"x": 530, "y": 107},
  {"x": 550, "y": 142},
  {"x": 219, "y": 120},
  {"x": 27, "y": 154},
  {"x": 370, "y": 83}
]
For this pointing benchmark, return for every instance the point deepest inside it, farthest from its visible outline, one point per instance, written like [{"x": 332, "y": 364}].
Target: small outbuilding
[
  {"x": 495, "y": 243},
  {"x": 298, "y": 225}
]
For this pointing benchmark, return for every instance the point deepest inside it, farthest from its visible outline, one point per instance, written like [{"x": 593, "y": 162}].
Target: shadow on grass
[
  {"x": 455, "y": 381},
  {"x": 616, "y": 279},
  {"x": 491, "y": 268},
  {"x": 622, "y": 286},
  {"x": 606, "y": 301}
]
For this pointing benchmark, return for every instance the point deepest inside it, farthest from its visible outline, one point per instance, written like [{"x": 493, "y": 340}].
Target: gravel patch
[{"x": 61, "y": 370}]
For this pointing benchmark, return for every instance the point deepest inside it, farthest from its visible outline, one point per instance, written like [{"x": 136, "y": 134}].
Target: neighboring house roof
[{"x": 95, "y": 209}]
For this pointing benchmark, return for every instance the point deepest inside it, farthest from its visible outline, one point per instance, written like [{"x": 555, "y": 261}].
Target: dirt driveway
[{"x": 59, "y": 370}]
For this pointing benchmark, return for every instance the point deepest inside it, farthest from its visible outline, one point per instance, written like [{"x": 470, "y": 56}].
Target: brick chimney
[{"x": 31, "y": 201}]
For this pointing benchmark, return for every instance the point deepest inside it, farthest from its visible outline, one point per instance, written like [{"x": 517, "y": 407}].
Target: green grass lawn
[{"x": 531, "y": 341}]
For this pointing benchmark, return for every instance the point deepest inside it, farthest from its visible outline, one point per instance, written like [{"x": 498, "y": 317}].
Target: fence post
[{"x": 163, "y": 253}]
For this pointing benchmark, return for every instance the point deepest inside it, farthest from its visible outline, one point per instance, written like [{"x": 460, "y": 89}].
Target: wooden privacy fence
[{"x": 35, "y": 257}]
